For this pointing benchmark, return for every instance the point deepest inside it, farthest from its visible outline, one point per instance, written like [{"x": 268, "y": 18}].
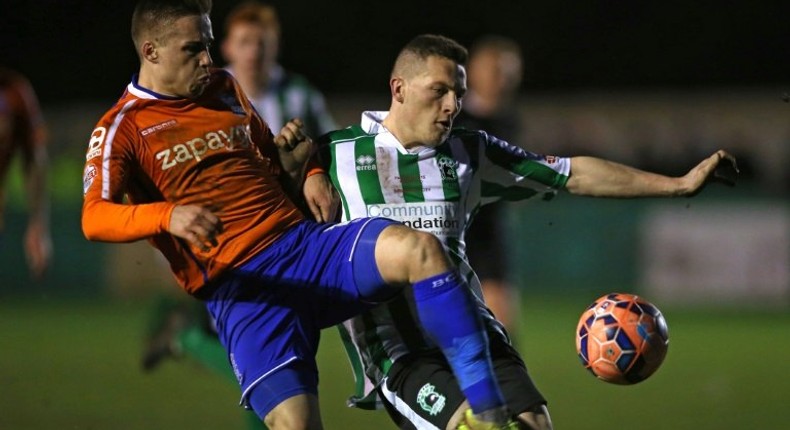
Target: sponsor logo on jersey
[
  {"x": 430, "y": 400},
  {"x": 96, "y": 142},
  {"x": 551, "y": 159},
  {"x": 159, "y": 127},
  {"x": 438, "y": 218},
  {"x": 233, "y": 138},
  {"x": 87, "y": 177},
  {"x": 447, "y": 168},
  {"x": 366, "y": 162}
]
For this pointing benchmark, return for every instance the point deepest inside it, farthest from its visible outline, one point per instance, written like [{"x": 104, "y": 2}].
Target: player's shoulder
[
  {"x": 461, "y": 131},
  {"x": 347, "y": 134},
  {"x": 467, "y": 136}
]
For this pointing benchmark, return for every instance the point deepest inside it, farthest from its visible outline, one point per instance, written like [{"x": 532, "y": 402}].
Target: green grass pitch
[{"x": 74, "y": 365}]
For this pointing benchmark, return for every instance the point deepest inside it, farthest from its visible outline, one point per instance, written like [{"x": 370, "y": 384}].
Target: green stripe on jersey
[
  {"x": 409, "y": 172},
  {"x": 527, "y": 168},
  {"x": 511, "y": 194}
]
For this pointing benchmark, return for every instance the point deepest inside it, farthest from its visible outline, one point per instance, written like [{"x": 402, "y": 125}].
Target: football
[{"x": 622, "y": 338}]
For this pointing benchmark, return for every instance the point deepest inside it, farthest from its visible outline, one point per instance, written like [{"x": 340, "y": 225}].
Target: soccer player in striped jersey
[
  {"x": 23, "y": 133},
  {"x": 410, "y": 165},
  {"x": 184, "y": 161},
  {"x": 251, "y": 47}
]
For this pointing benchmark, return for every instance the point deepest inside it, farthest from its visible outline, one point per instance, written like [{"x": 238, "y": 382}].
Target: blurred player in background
[
  {"x": 411, "y": 165},
  {"x": 250, "y": 47},
  {"x": 23, "y": 133},
  {"x": 184, "y": 161},
  {"x": 495, "y": 73}
]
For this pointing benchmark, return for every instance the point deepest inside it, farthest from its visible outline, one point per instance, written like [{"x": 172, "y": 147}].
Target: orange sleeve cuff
[{"x": 314, "y": 168}]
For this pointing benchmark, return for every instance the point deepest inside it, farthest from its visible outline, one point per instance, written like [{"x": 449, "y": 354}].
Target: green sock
[{"x": 206, "y": 349}]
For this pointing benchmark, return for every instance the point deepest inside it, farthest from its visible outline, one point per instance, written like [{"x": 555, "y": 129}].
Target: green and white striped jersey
[
  {"x": 434, "y": 189},
  {"x": 290, "y": 95}
]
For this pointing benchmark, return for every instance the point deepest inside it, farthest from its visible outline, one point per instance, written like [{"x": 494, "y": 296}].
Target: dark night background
[{"x": 81, "y": 50}]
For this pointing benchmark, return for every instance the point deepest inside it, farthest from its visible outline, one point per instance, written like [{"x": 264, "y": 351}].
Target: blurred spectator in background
[
  {"x": 494, "y": 76},
  {"x": 251, "y": 44},
  {"x": 22, "y": 131}
]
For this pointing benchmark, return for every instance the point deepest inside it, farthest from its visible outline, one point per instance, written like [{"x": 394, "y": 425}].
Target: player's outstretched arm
[{"x": 596, "y": 177}]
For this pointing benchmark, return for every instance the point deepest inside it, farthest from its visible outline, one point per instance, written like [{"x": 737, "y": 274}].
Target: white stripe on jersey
[
  {"x": 107, "y": 150},
  {"x": 387, "y": 165},
  {"x": 345, "y": 156}
]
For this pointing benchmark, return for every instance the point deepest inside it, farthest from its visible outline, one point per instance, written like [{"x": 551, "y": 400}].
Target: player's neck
[
  {"x": 391, "y": 123},
  {"x": 148, "y": 79}
]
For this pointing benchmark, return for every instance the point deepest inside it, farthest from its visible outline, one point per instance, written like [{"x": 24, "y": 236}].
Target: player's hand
[
  {"x": 295, "y": 147},
  {"x": 293, "y": 138},
  {"x": 719, "y": 167},
  {"x": 321, "y": 197},
  {"x": 38, "y": 248},
  {"x": 196, "y": 224}
]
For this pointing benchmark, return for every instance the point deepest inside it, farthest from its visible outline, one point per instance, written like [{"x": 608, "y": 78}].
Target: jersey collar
[{"x": 372, "y": 123}]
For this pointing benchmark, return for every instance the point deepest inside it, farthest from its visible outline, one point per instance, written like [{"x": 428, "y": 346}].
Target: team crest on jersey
[
  {"x": 87, "y": 178},
  {"x": 429, "y": 400},
  {"x": 447, "y": 168},
  {"x": 366, "y": 162}
]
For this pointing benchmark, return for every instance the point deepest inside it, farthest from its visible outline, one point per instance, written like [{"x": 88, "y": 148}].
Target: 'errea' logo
[{"x": 366, "y": 162}]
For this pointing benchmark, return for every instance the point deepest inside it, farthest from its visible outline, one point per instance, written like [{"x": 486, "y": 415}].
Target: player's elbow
[
  {"x": 91, "y": 225},
  {"x": 89, "y": 229}
]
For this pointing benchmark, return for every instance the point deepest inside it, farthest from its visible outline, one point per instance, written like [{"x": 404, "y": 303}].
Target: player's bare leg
[{"x": 300, "y": 412}]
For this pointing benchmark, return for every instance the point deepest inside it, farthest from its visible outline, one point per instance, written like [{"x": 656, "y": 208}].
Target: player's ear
[
  {"x": 398, "y": 89},
  {"x": 148, "y": 51}
]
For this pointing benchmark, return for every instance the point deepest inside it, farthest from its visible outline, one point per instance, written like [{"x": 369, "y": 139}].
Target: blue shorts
[{"x": 270, "y": 311}]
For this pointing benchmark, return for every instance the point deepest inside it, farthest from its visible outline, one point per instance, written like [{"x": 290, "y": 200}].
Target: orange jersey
[
  {"x": 21, "y": 125},
  {"x": 214, "y": 151}
]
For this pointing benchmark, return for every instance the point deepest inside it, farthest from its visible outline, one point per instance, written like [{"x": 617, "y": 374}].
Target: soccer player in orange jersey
[
  {"x": 22, "y": 131},
  {"x": 183, "y": 161}
]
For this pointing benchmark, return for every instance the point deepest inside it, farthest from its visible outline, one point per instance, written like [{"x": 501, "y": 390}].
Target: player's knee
[
  {"x": 405, "y": 255},
  {"x": 426, "y": 255}
]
